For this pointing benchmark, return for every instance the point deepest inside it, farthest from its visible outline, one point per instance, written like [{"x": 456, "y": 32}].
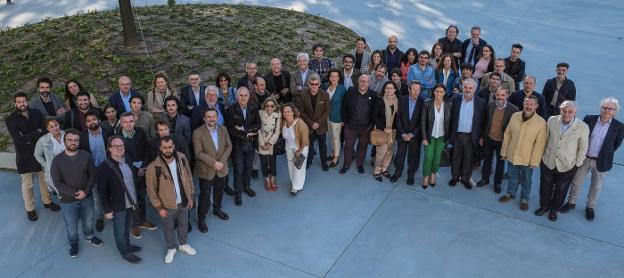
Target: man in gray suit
[
  {"x": 50, "y": 105},
  {"x": 299, "y": 79}
]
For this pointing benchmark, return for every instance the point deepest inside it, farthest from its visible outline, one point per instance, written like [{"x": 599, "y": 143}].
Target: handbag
[
  {"x": 298, "y": 160},
  {"x": 379, "y": 137},
  {"x": 445, "y": 159},
  {"x": 280, "y": 146}
]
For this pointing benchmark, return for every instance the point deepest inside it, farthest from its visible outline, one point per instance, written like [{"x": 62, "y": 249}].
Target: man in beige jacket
[
  {"x": 523, "y": 146},
  {"x": 565, "y": 152},
  {"x": 170, "y": 189}
]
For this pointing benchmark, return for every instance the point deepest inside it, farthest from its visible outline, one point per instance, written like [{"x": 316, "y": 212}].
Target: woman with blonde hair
[
  {"x": 296, "y": 136},
  {"x": 268, "y": 135},
  {"x": 161, "y": 89}
]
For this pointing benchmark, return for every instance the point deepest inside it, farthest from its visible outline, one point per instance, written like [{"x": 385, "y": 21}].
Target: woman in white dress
[
  {"x": 48, "y": 146},
  {"x": 295, "y": 133}
]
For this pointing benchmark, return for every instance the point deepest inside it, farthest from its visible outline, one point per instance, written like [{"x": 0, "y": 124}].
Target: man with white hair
[
  {"x": 278, "y": 81},
  {"x": 121, "y": 99},
  {"x": 565, "y": 152},
  {"x": 605, "y": 137},
  {"x": 300, "y": 78}
]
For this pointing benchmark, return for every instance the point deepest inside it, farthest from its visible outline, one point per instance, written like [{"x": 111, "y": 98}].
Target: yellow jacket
[
  {"x": 565, "y": 151},
  {"x": 524, "y": 141}
]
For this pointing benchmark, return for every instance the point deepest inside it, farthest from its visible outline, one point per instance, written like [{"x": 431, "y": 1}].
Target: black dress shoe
[
  {"x": 308, "y": 164},
  {"x": 567, "y": 207},
  {"x": 228, "y": 190},
  {"x": 293, "y": 193},
  {"x": 325, "y": 168},
  {"x": 467, "y": 184},
  {"x": 483, "y": 182},
  {"x": 202, "y": 228},
  {"x": 360, "y": 169},
  {"x": 134, "y": 248},
  {"x": 432, "y": 184},
  {"x": 249, "y": 191},
  {"x": 131, "y": 258},
  {"x": 238, "y": 200},
  {"x": 552, "y": 216},
  {"x": 394, "y": 178},
  {"x": 332, "y": 164},
  {"x": 497, "y": 188},
  {"x": 219, "y": 213},
  {"x": 378, "y": 178},
  {"x": 343, "y": 170},
  {"x": 386, "y": 174},
  {"x": 52, "y": 207},
  {"x": 32, "y": 215},
  {"x": 589, "y": 214},
  {"x": 453, "y": 182},
  {"x": 410, "y": 181},
  {"x": 99, "y": 225},
  {"x": 540, "y": 211},
  {"x": 254, "y": 174}
]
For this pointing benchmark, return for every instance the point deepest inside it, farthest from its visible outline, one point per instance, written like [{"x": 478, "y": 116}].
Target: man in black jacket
[
  {"x": 163, "y": 129},
  {"x": 251, "y": 71},
  {"x": 25, "y": 127},
  {"x": 135, "y": 143},
  {"x": 498, "y": 114},
  {"x": 465, "y": 134},
  {"x": 116, "y": 181},
  {"x": 192, "y": 95},
  {"x": 471, "y": 48},
  {"x": 278, "y": 82},
  {"x": 451, "y": 44},
  {"x": 514, "y": 66},
  {"x": 242, "y": 121},
  {"x": 558, "y": 90},
  {"x": 408, "y": 133},
  {"x": 75, "y": 118},
  {"x": 606, "y": 135},
  {"x": 392, "y": 55},
  {"x": 357, "y": 111}
]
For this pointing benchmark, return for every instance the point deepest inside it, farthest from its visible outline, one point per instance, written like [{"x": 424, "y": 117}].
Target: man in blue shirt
[{"x": 424, "y": 73}]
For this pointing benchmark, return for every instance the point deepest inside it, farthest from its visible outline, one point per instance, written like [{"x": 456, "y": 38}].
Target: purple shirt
[{"x": 597, "y": 138}]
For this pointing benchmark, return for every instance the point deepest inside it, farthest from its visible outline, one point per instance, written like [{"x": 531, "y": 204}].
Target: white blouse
[
  {"x": 438, "y": 122},
  {"x": 289, "y": 136}
]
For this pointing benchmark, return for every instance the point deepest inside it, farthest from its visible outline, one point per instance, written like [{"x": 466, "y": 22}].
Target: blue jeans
[
  {"x": 122, "y": 223},
  {"x": 97, "y": 204},
  {"x": 519, "y": 174},
  {"x": 81, "y": 210}
]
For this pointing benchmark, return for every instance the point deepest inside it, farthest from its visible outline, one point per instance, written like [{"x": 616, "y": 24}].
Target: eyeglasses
[
  {"x": 72, "y": 140},
  {"x": 315, "y": 84},
  {"x": 607, "y": 108},
  {"x": 117, "y": 147}
]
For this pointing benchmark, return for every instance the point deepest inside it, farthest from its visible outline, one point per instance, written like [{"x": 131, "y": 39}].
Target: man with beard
[
  {"x": 505, "y": 80},
  {"x": 489, "y": 93},
  {"x": 50, "y": 105},
  {"x": 558, "y": 89},
  {"x": 278, "y": 82},
  {"x": 180, "y": 123},
  {"x": 392, "y": 55},
  {"x": 163, "y": 129},
  {"x": 350, "y": 75},
  {"x": 75, "y": 118},
  {"x": 451, "y": 44},
  {"x": 319, "y": 63},
  {"x": 517, "y": 98},
  {"x": 24, "y": 125},
  {"x": 94, "y": 141},
  {"x": 73, "y": 174},
  {"x": 170, "y": 189}
]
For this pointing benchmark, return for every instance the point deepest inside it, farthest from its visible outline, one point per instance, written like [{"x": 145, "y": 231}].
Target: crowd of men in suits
[{"x": 105, "y": 162}]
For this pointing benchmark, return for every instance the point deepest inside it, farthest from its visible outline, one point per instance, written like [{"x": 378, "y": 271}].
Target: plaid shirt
[{"x": 321, "y": 67}]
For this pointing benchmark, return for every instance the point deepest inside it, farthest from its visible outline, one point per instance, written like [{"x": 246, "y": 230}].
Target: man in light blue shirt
[{"x": 424, "y": 73}]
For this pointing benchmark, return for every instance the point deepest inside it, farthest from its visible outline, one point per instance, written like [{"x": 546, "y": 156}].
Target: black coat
[
  {"x": 476, "y": 53},
  {"x": 427, "y": 118},
  {"x": 111, "y": 189},
  {"x": 136, "y": 147},
  {"x": 25, "y": 133},
  {"x": 349, "y": 105},
  {"x": 234, "y": 117},
  {"x": 116, "y": 101},
  {"x": 187, "y": 99},
  {"x": 478, "y": 119},
  {"x": 612, "y": 141},
  {"x": 407, "y": 123},
  {"x": 72, "y": 119},
  {"x": 272, "y": 87},
  {"x": 566, "y": 92},
  {"x": 379, "y": 114}
]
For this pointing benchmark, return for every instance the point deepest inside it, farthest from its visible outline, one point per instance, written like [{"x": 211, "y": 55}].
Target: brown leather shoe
[
  {"x": 506, "y": 198},
  {"x": 524, "y": 205},
  {"x": 136, "y": 233}
]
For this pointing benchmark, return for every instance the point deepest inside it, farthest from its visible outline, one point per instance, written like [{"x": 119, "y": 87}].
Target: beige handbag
[{"x": 378, "y": 137}]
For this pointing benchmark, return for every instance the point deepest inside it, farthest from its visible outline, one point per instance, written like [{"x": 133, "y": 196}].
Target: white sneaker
[
  {"x": 187, "y": 249},
  {"x": 169, "y": 256}
]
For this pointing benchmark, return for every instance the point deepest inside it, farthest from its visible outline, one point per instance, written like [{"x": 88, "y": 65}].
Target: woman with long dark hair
[{"x": 407, "y": 61}]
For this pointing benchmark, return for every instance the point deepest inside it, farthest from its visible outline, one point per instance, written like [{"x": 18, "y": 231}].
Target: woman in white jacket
[
  {"x": 48, "y": 146},
  {"x": 268, "y": 135}
]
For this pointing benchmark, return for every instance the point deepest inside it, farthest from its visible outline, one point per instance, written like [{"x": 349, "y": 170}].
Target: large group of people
[{"x": 460, "y": 103}]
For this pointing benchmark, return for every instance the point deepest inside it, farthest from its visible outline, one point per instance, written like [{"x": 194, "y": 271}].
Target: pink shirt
[{"x": 481, "y": 68}]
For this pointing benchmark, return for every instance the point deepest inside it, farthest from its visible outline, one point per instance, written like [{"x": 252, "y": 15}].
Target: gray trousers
[
  {"x": 595, "y": 185},
  {"x": 179, "y": 216}
]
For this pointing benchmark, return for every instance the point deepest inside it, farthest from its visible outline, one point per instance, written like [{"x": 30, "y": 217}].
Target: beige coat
[
  {"x": 567, "y": 150},
  {"x": 161, "y": 191},
  {"x": 270, "y": 129},
  {"x": 206, "y": 155},
  {"x": 523, "y": 142}
]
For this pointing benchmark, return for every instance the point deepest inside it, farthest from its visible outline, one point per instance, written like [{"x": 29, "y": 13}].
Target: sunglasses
[{"x": 315, "y": 84}]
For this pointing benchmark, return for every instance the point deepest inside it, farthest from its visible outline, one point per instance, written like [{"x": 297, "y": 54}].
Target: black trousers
[
  {"x": 410, "y": 148},
  {"x": 140, "y": 214},
  {"x": 267, "y": 165},
  {"x": 554, "y": 187},
  {"x": 322, "y": 143},
  {"x": 361, "y": 136},
  {"x": 243, "y": 155},
  {"x": 490, "y": 148},
  {"x": 216, "y": 186},
  {"x": 463, "y": 157}
]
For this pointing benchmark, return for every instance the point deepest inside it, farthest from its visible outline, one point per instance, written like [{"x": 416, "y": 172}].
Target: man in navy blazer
[
  {"x": 469, "y": 112},
  {"x": 408, "y": 133},
  {"x": 121, "y": 99},
  {"x": 192, "y": 95},
  {"x": 471, "y": 48},
  {"x": 605, "y": 137}
]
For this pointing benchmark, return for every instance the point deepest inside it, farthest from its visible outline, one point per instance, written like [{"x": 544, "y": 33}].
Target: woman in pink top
[{"x": 486, "y": 62}]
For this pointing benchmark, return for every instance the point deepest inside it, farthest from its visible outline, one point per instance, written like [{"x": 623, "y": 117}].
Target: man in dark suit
[
  {"x": 211, "y": 101},
  {"x": 278, "y": 82},
  {"x": 408, "y": 133},
  {"x": 300, "y": 78},
  {"x": 471, "y": 48},
  {"x": 465, "y": 134},
  {"x": 242, "y": 121},
  {"x": 251, "y": 71},
  {"x": 75, "y": 118},
  {"x": 164, "y": 129},
  {"x": 498, "y": 114},
  {"x": 517, "y": 98},
  {"x": 179, "y": 123},
  {"x": 558, "y": 90},
  {"x": 315, "y": 112},
  {"x": 350, "y": 74},
  {"x": 357, "y": 115},
  {"x": 606, "y": 135},
  {"x": 121, "y": 99},
  {"x": 192, "y": 95}
]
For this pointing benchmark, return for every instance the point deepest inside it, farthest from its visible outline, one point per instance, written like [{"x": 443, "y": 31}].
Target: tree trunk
[{"x": 127, "y": 21}]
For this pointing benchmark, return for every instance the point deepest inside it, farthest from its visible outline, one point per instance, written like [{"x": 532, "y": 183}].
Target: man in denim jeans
[
  {"x": 73, "y": 174},
  {"x": 523, "y": 146}
]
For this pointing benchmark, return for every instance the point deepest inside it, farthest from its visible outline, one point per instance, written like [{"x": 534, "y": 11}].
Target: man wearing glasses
[
  {"x": 605, "y": 137},
  {"x": 315, "y": 112}
]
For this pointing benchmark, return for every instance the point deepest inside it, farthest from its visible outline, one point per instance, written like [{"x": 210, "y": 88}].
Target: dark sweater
[{"x": 72, "y": 173}]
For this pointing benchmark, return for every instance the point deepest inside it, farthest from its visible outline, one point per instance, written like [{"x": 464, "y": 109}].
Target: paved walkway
[{"x": 353, "y": 226}]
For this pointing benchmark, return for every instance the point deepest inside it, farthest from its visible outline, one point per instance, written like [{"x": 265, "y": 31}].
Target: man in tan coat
[
  {"x": 565, "y": 152},
  {"x": 315, "y": 112},
  {"x": 523, "y": 146},
  {"x": 170, "y": 189},
  {"x": 212, "y": 146}
]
